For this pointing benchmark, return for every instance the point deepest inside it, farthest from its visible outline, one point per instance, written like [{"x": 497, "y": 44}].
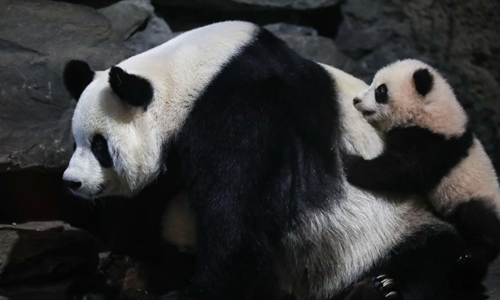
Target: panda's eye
[
  {"x": 381, "y": 94},
  {"x": 100, "y": 151}
]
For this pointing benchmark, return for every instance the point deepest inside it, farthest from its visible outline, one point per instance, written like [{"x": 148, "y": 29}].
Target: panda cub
[{"x": 430, "y": 150}]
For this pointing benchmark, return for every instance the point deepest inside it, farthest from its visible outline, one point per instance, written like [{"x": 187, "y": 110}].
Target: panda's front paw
[
  {"x": 386, "y": 287},
  {"x": 350, "y": 161},
  {"x": 353, "y": 167}
]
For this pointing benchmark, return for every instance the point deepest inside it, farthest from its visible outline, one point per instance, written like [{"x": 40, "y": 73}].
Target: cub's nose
[
  {"x": 73, "y": 185},
  {"x": 356, "y": 101}
]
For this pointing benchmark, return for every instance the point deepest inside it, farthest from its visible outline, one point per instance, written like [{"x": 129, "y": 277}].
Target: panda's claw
[
  {"x": 386, "y": 286},
  {"x": 392, "y": 295}
]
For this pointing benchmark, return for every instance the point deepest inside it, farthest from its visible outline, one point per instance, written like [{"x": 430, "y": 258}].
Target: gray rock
[
  {"x": 459, "y": 39},
  {"x": 156, "y": 33},
  {"x": 50, "y": 291},
  {"x": 126, "y": 16},
  {"x": 320, "y": 49},
  {"x": 290, "y": 29},
  {"x": 492, "y": 281},
  {"x": 44, "y": 251},
  {"x": 250, "y": 4},
  {"x": 36, "y": 39}
]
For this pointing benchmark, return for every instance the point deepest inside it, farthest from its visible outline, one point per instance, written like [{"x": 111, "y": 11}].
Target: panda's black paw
[
  {"x": 353, "y": 168},
  {"x": 386, "y": 287}
]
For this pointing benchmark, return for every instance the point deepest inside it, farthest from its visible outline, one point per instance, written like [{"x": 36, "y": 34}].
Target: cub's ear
[
  {"x": 77, "y": 75},
  {"x": 423, "y": 81},
  {"x": 133, "y": 89}
]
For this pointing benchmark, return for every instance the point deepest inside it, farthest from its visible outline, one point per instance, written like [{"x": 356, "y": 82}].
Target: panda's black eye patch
[
  {"x": 101, "y": 152},
  {"x": 381, "y": 94}
]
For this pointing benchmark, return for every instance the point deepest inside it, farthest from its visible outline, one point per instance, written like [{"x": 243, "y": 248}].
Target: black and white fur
[
  {"x": 430, "y": 150},
  {"x": 258, "y": 130}
]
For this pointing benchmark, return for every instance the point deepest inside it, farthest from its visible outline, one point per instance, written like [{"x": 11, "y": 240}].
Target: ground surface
[{"x": 493, "y": 281}]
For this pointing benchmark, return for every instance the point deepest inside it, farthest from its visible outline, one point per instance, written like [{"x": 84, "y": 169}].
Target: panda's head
[
  {"x": 116, "y": 150},
  {"x": 409, "y": 92},
  {"x": 127, "y": 116}
]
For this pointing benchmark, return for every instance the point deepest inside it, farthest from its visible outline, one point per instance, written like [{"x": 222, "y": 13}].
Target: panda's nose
[
  {"x": 356, "y": 101},
  {"x": 73, "y": 185}
]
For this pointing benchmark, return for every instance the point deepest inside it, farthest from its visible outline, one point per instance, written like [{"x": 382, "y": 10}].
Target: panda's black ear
[
  {"x": 423, "y": 81},
  {"x": 133, "y": 89},
  {"x": 77, "y": 75}
]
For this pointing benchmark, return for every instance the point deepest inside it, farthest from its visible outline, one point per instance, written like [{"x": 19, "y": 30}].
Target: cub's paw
[
  {"x": 350, "y": 161},
  {"x": 353, "y": 168},
  {"x": 386, "y": 287}
]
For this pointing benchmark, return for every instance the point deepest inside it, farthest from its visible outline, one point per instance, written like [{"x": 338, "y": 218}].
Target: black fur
[
  {"x": 414, "y": 161},
  {"x": 77, "y": 76},
  {"x": 381, "y": 94},
  {"x": 100, "y": 150},
  {"x": 423, "y": 81},
  {"x": 424, "y": 266},
  {"x": 480, "y": 227},
  {"x": 133, "y": 89},
  {"x": 257, "y": 150}
]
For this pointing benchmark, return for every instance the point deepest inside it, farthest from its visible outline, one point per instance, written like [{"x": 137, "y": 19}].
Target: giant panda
[
  {"x": 431, "y": 150},
  {"x": 259, "y": 133}
]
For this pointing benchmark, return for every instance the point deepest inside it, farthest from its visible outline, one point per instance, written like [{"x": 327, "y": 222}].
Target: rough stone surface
[
  {"x": 290, "y": 29},
  {"x": 155, "y": 33},
  {"x": 250, "y": 4},
  {"x": 319, "y": 49},
  {"x": 492, "y": 282},
  {"x": 36, "y": 39},
  {"x": 126, "y": 16},
  {"x": 459, "y": 38},
  {"x": 44, "y": 251},
  {"x": 51, "y": 291}
]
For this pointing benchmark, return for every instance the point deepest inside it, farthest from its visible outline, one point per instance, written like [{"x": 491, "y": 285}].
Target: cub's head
[
  {"x": 409, "y": 92},
  {"x": 116, "y": 148}
]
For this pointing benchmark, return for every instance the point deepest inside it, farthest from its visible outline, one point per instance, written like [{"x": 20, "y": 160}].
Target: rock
[
  {"x": 49, "y": 291},
  {"x": 36, "y": 39},
  {"x": 126, "y": 16},
  {"x": 249, "y": 4},
  {"x": 319, "y": 49},
  {"x": 492, "y": 281},
  {"x": 44, "y": 251},
  {"x": 459, "y": 39},
  {"x": 290, "y": 29},
  {"x": 371, "y": 34},
  {"x": 155, "y": 33}
]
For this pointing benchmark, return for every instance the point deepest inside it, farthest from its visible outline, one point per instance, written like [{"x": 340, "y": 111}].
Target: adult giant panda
[{"x": 259, "y": 131}]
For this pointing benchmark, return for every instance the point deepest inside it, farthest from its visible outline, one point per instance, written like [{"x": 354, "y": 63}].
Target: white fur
[
  {"x": 179, "y": 70},
  {"x": 473, "y": 177},
  {"x": 179, "y": 223},
  {"x": 336, "y": 247},
  {"x": 358, "y": 135}
]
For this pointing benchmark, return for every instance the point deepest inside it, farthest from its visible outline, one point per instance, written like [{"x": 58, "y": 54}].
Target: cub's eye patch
[
  {"x": 100, "y": 150},
  {"x": 381, "y": 94}
]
